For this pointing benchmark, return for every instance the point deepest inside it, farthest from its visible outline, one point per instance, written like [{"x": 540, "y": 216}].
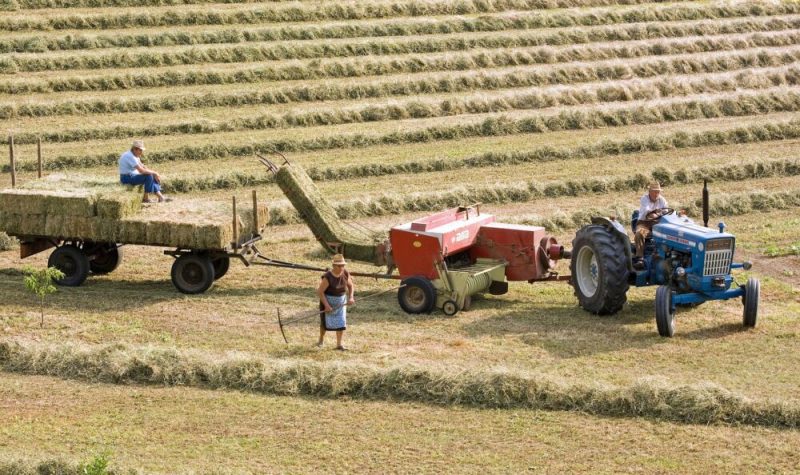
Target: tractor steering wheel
[{"x": 659, "y": 213}]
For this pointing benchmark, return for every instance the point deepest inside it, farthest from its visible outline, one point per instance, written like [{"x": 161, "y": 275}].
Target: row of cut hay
[
  {"x": 11, "y": 5},
  {"x": 705, "y": 403},
  {"x": 366, "y": 10},
  {"x": 55, "y": 466},
  {"x": 745, "y": 104},
  {"x": 521, "y": 192},
  {"x": 41, "y": 44},
  {"x": 384, "y": 67},
  {"x": 320, "y": 216},
  {"x": 525, "y": 43},
  {"x": 653, "y": 143},
  {"x": 730, "y": 205},
  {"x": 7, "y": 242},
  {"x": 423, "y": 109}
]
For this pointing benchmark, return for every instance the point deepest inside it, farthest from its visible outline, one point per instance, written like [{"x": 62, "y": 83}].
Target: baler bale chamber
[{"x": 442, "y": 259}]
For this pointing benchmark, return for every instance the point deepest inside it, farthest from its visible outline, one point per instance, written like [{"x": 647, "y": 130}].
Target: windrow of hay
[
  {"x": 53, "y": 467},
  {"x": 703, "y": 403},
  {"x": 521, "y": 192},
  {"x": 322, "y": 219},
  {"x": 366, "y": 10},
  {"x": 41, "y": 44},
  {"x": 468, "y": 104},
  {"x": 652, "y": 143},
  {"x": 72, "y": 207},
  {"x": 393, "y": 46},
  {"x": 42, "y": 4},
  {"x": 744, "y": 104}
]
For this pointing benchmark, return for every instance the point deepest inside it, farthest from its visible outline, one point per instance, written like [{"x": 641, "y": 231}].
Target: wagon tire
[
  {"x": 70, "y": 260},
  {"x": 417, "y": 295},
  {"x": 221, "y": 266},
  {"x": 106, "y": 259},
  {"x": 752, "y": 293},
  {"x": 665, "y": 314},
  {"x": 192, "y": 273},
  {"x": 599, "y": 270}
]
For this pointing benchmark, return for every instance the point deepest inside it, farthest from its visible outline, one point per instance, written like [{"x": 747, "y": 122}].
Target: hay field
[{"x": 547, "y": 111}]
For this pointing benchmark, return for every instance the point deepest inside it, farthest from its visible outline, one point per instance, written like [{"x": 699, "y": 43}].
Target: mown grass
[
  {"x": 147, "y": 428},
  {"x": 446, "y": 25}
]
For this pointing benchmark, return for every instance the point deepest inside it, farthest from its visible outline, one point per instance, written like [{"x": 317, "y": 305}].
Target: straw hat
[
  {"x": 338, "y": 260},
  {"x": 655, "y": 186},
  {"x": 138, "y": 144}
]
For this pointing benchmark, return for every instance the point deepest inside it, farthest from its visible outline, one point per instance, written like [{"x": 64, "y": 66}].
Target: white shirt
[
  {"x": 128, "y": 162},
  {"x": 646, "y": 205}
]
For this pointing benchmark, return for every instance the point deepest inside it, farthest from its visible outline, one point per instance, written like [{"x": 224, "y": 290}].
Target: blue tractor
[{"x": 689, "y": 263}]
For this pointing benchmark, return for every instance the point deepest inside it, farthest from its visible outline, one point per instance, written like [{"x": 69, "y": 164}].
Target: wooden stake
[
  {"x": 255, "y": 212},
  {"x": 13, "y": 162},
  {"x": 235, "y": 226},
  {"x": 39, "y": 163}
]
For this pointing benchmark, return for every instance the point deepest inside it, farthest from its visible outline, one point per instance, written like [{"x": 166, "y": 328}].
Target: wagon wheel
[
  {"x": 70, "y": 260},
  {"x": 221, "y": 266},
  {"x": 105, "y": 258},
  {"x": 192, "y": 273}
]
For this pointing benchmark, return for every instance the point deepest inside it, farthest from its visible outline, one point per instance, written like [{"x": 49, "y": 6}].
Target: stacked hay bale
[
  {"x": 102, "y": 210},
  {"x": 323, "y": 220}
]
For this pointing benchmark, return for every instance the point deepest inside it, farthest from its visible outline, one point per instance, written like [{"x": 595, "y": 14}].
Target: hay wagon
[{"x": 87, "y": 221}]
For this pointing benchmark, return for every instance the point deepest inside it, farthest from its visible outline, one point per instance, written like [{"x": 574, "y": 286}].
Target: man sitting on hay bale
[{"x": 133, "y": 172}]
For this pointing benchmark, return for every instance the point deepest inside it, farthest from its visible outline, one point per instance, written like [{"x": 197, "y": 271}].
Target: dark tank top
[{"x": 337, "y": 286}]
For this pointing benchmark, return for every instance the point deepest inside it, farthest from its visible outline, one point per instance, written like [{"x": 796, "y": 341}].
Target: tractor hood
[{"x": 683, "y": 231}]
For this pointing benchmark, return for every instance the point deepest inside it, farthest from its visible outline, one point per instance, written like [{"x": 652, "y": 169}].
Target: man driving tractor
[{"x": 649, "y": 207}]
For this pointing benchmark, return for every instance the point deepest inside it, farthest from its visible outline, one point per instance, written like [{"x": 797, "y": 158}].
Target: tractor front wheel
[
  {"x": 599, "y": 270},
  {"x": 752, "y": 293},
  {"x": 70, "y": 260},
  {"x": 417, "y": 295},
  {"x": 192, "y": 273},
  {"x": 665, "y": 315}
]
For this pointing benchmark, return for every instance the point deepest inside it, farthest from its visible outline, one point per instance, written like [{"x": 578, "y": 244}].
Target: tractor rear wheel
[
  {"x": 665, "y": 315},
  {"x": 192, "y": 273},
  {"x": 417, "y": 295},
  {"x": 599, "y": 270},
  {"x": 752, "y": 293},
  {"x": 105, "y": 258},
  {"x": 70, "y": 260}
]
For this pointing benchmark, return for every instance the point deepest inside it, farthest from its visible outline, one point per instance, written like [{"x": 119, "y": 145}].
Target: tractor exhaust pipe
[{"x": 705, "y": 203}]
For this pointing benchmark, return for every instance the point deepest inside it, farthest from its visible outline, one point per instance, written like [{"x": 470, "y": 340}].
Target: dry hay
[
  {"x": 322, "y": 218},
  {"x": 704, "y": 403},
  {"x": 101, "y": 209}
]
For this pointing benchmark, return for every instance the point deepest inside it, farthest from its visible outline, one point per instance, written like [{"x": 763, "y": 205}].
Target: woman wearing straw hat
[
  {"x": 133, "y": 172},
  {"x": 335, "y": 292}
]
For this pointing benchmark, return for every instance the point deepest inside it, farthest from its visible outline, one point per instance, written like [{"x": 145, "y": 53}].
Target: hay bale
[{"x": 323, "y": 219}]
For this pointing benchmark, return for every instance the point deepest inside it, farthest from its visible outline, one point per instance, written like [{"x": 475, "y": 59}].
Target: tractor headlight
[{"x": 747, "y": 265}]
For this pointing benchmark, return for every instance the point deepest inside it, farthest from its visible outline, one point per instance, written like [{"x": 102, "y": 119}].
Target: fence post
[
  {"x": 39, "y": 162},
  {"x": 256, "y": 228},
  {"x": 13, "y": 162},
  {"x": 235, "y": 226}
]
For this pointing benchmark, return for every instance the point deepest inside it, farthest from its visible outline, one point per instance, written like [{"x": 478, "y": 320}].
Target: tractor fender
[{"x": 616, "y": 229}]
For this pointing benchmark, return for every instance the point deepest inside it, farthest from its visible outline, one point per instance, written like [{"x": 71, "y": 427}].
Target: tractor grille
[{"x": 717, "y": 262}]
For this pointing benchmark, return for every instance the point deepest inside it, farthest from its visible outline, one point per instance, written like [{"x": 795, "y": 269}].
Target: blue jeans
[{"x": 150, "y": 185}]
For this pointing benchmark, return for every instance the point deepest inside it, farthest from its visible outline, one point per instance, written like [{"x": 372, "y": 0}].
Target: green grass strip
[
  {"x": 705, "y": 403},
  {"x": 416, "y": 109},
  {"x": 41, "y": 44},
  {"x": 676, "y": 111}
]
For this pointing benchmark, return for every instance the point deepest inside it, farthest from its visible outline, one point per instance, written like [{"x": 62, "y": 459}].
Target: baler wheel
[
  {"x": 599, "y": 270},
  {"x": 417, "y": 295},
  {"x": 665, "y": 315},
  {"x": 450, "y": 308},
  {"x": 752, "y": 293}
]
